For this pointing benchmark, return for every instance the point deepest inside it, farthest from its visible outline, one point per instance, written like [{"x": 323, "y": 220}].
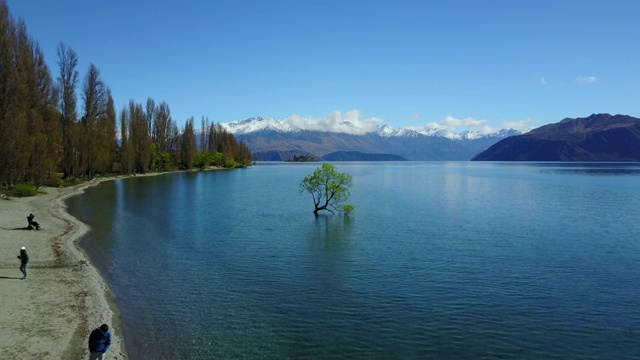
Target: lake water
[{"x": 441, "y": 260}]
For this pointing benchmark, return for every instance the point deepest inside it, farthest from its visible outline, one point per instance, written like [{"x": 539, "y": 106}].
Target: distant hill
[
  {"x": 318, "y": 144},
  {"x": 360, "y": 156},
  {"x": 599, "y": 137},
  {"x": 279, "y": 140},
  {"x": 271, "y": 145},
  {"x": 478, "y": 144}
]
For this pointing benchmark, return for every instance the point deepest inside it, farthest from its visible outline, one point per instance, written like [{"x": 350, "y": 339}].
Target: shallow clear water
[{"x": 441, "y": 260}]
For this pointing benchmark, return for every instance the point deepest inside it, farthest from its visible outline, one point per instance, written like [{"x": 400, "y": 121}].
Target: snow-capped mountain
[
  {"x": 271, "y": 139},
  {"x": 297, "y": 123},
  {"x": 388, "y": 131},
  {"x": 258, "y": 123}
]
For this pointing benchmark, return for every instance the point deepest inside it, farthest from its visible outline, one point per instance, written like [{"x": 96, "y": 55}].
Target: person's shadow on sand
[{"x": 10, "y": 277}]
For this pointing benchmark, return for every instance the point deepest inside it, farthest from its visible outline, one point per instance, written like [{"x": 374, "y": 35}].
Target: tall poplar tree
[
  {"x": 106, "y": 142},
  {"x": 174, "y": 143},
  {"x": 68, "y": 80},
  {"x": 94, "y": 95},
  {"x": 48, "y": 136},
  {"x": 204, "y": 128},
  {"x": 139, "y": 137},
  {"x": 126, "y": 150},
  {"x": 149, "y": 114},
  {"x": 189, "y": 146},
  {"x": 7, "y": 79},
  {"x": 39, "y": 99},
  {"x": 22, "y": 116},
  {"x": 162, "y": 126}
]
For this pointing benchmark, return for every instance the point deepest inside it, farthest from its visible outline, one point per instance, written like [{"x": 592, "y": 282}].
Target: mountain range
[
  {"x": 277, "y": 140},
  {"x": 599, "y": 137}
]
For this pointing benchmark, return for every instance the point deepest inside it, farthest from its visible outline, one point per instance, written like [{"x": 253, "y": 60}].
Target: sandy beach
[{"x": 50, "y": 314}]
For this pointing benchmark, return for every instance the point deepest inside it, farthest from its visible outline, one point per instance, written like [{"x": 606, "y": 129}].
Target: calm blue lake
[{"x": 441, "y": 260}]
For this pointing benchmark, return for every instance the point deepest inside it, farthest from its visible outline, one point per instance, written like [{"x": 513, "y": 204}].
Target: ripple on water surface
[{"x": 440, "y": 261}]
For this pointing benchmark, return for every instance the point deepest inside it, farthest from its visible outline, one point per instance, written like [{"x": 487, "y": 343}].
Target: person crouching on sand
[
  {"x": 99, "y": 342},
  {"x": 24, "y": 261},
  {"x": 32, "y": 223}
]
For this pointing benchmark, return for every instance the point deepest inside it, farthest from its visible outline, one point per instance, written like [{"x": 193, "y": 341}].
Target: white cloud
[
  {"x": 351, "y": 122},
  {"x": 416, "y": 116},
  {"x": 543, "y": 81},
  {"x": 449, "y": 123},
  {"x": 455, "y": 125},
  {"x": 523, "y": 126},
  {"x": 586, "y": 80}
]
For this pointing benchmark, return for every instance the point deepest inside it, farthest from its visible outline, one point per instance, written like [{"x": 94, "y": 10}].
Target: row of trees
[
  {"x": 150, "y": 140},
  {"x": 28, "y": 99},
  {"x": 44, "y": 132}
]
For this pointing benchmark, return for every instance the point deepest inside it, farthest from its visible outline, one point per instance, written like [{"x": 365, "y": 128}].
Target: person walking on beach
[
  {"x": 24, "y": 261},
  {"x": 99, "y": 342}
]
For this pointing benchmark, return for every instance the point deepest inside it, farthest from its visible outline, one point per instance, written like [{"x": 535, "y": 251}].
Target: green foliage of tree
[
  {"x": 219, "y": 159},
  {"x": 219, "y": 140},
  {"x": 160, "y": 160},
  {"x": 348, "y": 209},
  {"x": 205, "y": 159},
  {"x": 328, "y": 188},
  {"x": 231, "y": 163}
]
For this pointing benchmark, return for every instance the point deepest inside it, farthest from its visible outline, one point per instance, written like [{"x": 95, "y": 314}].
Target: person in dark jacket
[
  {"x": 24, "y": 261},
  {"x": 99, "y": 342},
  {"x": 32, "y": 223}
]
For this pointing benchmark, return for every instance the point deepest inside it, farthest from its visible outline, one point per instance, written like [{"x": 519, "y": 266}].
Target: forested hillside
[{"x": 64, "y": 126}]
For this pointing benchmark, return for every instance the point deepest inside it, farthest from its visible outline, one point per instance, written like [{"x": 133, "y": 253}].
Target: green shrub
[
  {"x": 348, "y": 209},
  {"x": 25, "y": 190},
  {"x": 230, "y": 163}
]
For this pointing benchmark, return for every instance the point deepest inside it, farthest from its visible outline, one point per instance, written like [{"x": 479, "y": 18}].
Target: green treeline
[
  {"x": 302, "y": 158},
  {"x": 69, "y": 127}
]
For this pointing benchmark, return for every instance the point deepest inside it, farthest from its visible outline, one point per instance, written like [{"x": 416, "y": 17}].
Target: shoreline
[{"x": 51, "y": 314}]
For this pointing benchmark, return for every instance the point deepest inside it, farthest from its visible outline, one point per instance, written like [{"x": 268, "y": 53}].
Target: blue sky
[{"x": 459, "y": 64}]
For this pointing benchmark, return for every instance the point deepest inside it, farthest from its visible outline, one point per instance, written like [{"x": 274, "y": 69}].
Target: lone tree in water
[{"x": 328, "y": 187}]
